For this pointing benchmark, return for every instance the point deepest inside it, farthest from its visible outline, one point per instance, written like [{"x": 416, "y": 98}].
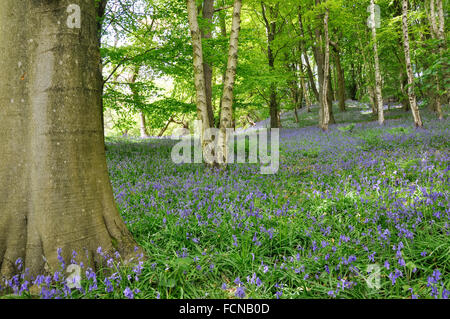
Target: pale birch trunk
[
  {"x": 326, "y": 69},
  {"x": 378, "y": 81},
  {"x": 208, "y": 13},
  {"x": 143, "y": 125},
  {"x": 57, "y": 191},
  {"x": 226, "y": 114},
  {"x": 199, "y": 80},
  {"x": 409, "y": 71}
]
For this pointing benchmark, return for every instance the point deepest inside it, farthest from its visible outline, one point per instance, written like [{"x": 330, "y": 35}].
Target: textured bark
[
  {"x": 409, "y": 71},
  {"x": 143, "y": 125},
  {"x": 226, "y": 114},
  {"x": 319, "y": 56},
  {"x": 443, "y": 41},
  {"x": 325, "y": 118},
  {"x": 208, "y": 13},
  {"x": 340, "y": 77},
  {"x": 305, "y": 94},
  {"x": 305, "y": 57},
  {"x": 52, "y": 156},
  {"x": 404, "y": 98},
  {"x": 437, "y": 33},
  {"x": 378, "y": 81},
  {"x": 199, "y": 79},
  {"x": 271, "y": 27}
]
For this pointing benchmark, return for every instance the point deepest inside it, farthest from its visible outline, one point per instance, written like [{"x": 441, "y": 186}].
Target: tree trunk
[
  {"x": 226, "y": 114},
  {"x": 404, "y": 94},
  {"x": 136, "y": 99},
  {"x": 442, "y": 45},
  {"x": 52, "y": 156},
  {"x": 305, "y": 56},
  {"x": 208, "y": 13},
  {"x": 199, "y": 79},
  {"x": 143, "y": 125},
  {"x": 330, "y": 94},
  {"x": 409, "y": 72},
  {"x": 340, "y": 77},
  {"x": 437, "y": 33},
  {"x": 378, "y": 81},
  {"x": 305, "y": 94},
  {"x": 271, "y": 31},
  {"x": 326, "y": 67}
]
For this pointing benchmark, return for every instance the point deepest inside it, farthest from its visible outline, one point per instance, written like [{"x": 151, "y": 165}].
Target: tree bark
[
  {"x": 409, "y": 72},
  {"x": 437, "y": 33},
  {"x": 442, "y": 43},
  {"x": 208, "y": 13},
  {"x": 340, "y": 77},
  {"x": 305, "y": 94},
  {"x": 378, "y": 81},
  {"x": 325, "y": 118},
  {"x": 52, "y": 156},
  {"x": 226, "y": 114},
  {"x": 305, "y": 57},
  {"x": 271, "y": 31},
  {"x": 319, "y": 56},
  {"x": 199, "y": 79}
]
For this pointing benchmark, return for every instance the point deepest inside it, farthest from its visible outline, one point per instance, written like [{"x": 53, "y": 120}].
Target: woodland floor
[
  {"x": 359, "y": 198},
  {"x": 356, "y": 196}
]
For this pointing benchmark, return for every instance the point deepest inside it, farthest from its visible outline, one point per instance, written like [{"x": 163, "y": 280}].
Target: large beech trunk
[
  {"x": 409, "y": 71},
  {"x": 56, "y": 191}
]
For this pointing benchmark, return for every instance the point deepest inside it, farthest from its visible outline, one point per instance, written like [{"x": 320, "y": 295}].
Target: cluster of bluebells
[
  {"x": 60, "y": 284},
  {"x": 436, "y": 283}
]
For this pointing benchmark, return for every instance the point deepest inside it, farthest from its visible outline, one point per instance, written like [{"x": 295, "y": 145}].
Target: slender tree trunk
[
  {"x": 226, "y": 114},
  {"x": 437, "y": 33},
  {"x": 305, "y": 94},
  {"x": 330, "y": 95},
  {"x": 326, "y": 67},
  {"x": 223, "y": 31},
  {"x": 199, "y": 79},
  {"x": 208, "y": 13},
  {"x": 409, "y": 71},
  {"x": 164, "y": 129},
  {"x": 403, "y": 85},
  {"x": 319, "y": 55},
  {"x": 271, "y": 30},
  {"x": 340, "y": 77},
  {"x": 443, "y": 45},
  {"x": 143, "y": 125},
  {"x": 52, "y": 156},
  {"x": 305, "y": 57},
  {"x": 136, "y": 98},
  {"x": 378, "y": 81}
]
